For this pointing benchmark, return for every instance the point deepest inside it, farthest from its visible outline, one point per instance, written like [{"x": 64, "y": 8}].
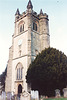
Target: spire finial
[
  {"x": 17, "y": 12},
  {"x": 41, "y": 12},
  {"x": 29, "y": 6}
]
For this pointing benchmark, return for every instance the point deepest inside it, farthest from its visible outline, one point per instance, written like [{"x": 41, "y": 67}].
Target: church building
[{"x": 31, "y": 36}]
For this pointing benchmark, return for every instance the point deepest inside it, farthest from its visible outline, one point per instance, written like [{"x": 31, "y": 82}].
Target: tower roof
[
  {"x": 41, "y": 12},
  {"x": 17, "y": 12},
  {"x": 29, "y": 6}
]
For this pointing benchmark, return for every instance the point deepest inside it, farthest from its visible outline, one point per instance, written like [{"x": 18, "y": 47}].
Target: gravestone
[
  {"x": 12, "y": 93},
  {"x": 34, "y": 95},
  {"x": 57, "y": 93},
  {"x": 15, "y": 97},
  {"x": 3, "y": 95},
  {"x": 42, "y": 97},
  {"x": 18, "y": 97},
  {"x": 65, "y": 92},
  {"x": 9, "y": 95},
  {"x": 0, "y": 97},
  {"x": 25, "y": 96}
]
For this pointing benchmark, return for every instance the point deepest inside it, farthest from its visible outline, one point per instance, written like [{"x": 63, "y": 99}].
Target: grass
[{"x": 56, "y": 99}]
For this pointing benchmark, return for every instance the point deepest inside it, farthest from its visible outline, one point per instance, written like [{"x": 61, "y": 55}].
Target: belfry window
[
  {"x": 19, "y": 72},
  {"x": 35, "y": 26},
  {"x": 22, "y": 28}
]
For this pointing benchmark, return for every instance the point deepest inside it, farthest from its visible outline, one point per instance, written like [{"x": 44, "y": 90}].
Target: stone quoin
[{"x": 30, "y": 37}]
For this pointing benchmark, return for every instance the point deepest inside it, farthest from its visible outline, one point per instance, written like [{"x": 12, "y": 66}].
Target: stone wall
[
  {"x": 9, "y": 72},
  {"x": 26, "y": 45}
]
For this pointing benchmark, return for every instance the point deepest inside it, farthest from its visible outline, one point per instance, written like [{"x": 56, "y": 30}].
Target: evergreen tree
[
  {"x": 48, "y": 72},
  {"x": 2, "y": 79}
]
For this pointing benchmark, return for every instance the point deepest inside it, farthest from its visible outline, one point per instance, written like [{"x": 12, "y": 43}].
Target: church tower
[{"x": 30, "y": 37}]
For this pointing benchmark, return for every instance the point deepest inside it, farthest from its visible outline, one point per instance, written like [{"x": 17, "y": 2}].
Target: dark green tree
[
  {"x": 48, "y": 72},
  {"x": 2, "y": 79}
]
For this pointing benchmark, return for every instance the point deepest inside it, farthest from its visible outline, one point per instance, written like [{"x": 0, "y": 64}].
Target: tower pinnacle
[
  {"x": 17, "y": 12},
  {"x": 29, "y": 6},
  {"x": 41, "y": 12}
]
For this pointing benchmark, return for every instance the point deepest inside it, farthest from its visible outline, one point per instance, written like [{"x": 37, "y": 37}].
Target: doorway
[{"x": 19, "y": 88}]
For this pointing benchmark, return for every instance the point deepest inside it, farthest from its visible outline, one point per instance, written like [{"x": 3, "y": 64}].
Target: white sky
[{"x": 57, "y": 11}]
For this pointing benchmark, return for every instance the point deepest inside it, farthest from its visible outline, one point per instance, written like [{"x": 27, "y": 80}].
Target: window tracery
[
  {"x": 19, "y": 71},
  {"x": 35, "y": 26},
  {"x": 21, "y": 26}
]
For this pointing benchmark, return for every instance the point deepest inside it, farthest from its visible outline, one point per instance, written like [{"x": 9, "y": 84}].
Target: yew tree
[{"x": 48, "y": 72}]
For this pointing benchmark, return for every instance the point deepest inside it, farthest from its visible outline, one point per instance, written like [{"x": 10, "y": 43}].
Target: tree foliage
[
  {"x": 48, "y": 72},
  {"x": 2, "y": 79}
]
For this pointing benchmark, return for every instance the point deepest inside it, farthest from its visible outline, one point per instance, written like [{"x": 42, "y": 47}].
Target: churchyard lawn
[{"x": 56, "y": 99}]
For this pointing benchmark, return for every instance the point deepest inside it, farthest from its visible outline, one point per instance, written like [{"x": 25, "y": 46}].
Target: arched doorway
[{"x": 19, "y": 88}]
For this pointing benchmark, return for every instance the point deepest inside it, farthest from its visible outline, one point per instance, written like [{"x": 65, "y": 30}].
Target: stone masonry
[{"x": 30, "y": 37}]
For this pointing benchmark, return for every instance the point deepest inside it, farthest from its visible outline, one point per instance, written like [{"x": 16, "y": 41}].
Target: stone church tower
[{"x": 30, "y": 37}]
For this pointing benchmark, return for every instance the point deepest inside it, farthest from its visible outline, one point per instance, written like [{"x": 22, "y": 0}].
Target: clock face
[{"x": 19, "y": 42}]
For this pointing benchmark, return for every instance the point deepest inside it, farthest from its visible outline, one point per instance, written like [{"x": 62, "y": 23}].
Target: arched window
[
  {"x": 35, "y": 26},
  {"x": 21, "y": 25},
  {"x": 22, "y": 28},
  {"x": 19, "y": 71}
]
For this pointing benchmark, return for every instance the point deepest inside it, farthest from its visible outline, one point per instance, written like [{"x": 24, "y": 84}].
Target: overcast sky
[{"x": 57, "y": 12}]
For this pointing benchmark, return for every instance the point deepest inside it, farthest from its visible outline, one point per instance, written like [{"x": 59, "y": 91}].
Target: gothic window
[
  {"x": 22, "y": 28},
  {"x": 19, "y": 72},
  {"x": 35, "y": 26}
]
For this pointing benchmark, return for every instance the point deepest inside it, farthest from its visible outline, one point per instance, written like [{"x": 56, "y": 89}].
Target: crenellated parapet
[{"x": 31, "y": 36}]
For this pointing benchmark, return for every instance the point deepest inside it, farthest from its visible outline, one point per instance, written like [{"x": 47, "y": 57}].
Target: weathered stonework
[
  {"x": 31, "y": 36},
  {"x": 9, "y": 72}
]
